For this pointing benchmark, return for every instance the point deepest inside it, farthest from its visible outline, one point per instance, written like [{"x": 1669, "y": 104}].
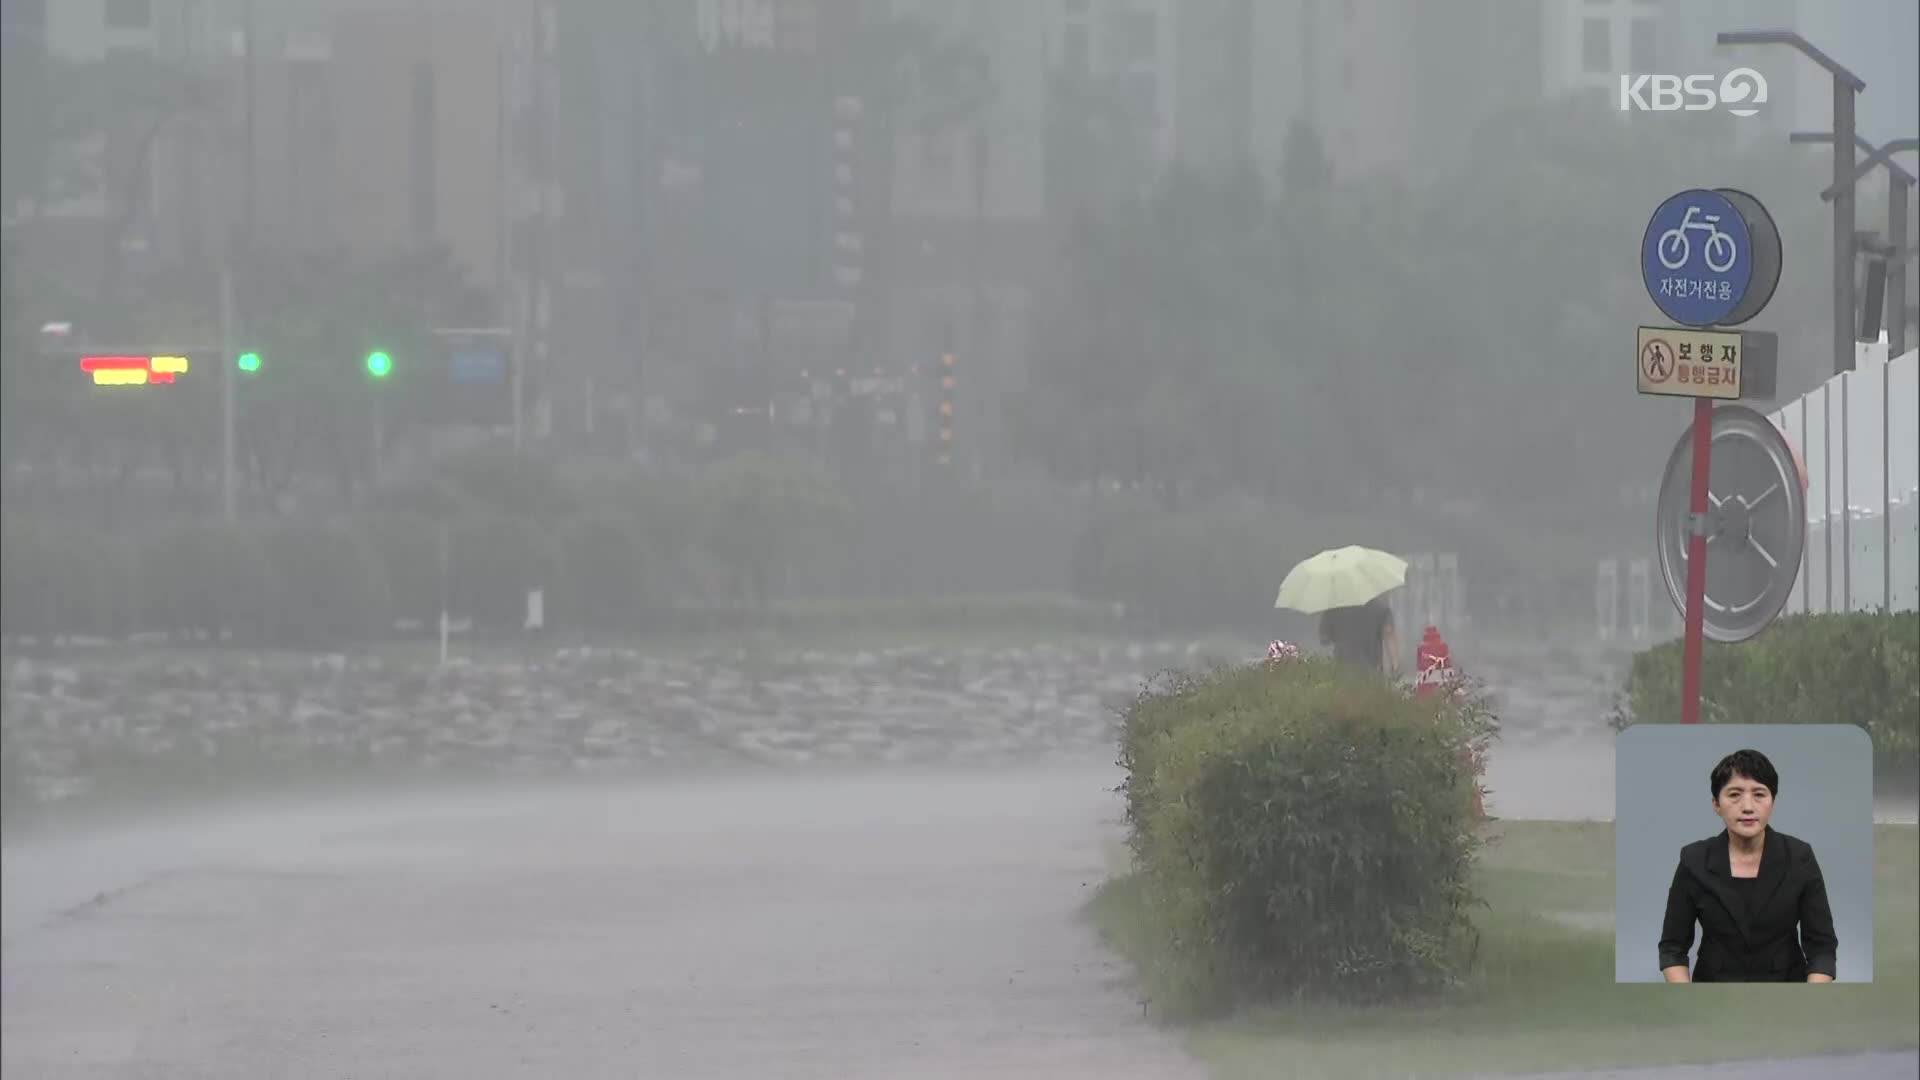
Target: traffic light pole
[
  {"x": 228, "y": 361},
  {"x": 379, "y": 436}
]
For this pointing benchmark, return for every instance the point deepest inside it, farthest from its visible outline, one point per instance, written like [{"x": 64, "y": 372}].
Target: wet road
[
  {"x": 1900, "y": 1065},
  {"x": 897, "y": 925}
]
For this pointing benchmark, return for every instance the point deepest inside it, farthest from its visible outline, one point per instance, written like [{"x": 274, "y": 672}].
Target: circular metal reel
[
  {"x": 1764, "y": 252},
  {"x": 1756, "y": 523}
]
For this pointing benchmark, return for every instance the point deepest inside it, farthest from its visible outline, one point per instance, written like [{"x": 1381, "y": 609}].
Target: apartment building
[{"x": 374, "y": 133}]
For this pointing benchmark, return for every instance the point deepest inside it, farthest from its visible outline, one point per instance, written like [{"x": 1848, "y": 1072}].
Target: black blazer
[{"x": 1780, "y": 932}]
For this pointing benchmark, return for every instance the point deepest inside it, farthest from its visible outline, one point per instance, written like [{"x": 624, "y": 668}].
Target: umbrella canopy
[{"x": 1341, "y": 577}]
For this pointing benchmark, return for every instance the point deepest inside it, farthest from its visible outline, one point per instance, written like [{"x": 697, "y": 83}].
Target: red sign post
[
  {"x": 1710, "y": 260},
  {"x": 1693, "y": 645}
]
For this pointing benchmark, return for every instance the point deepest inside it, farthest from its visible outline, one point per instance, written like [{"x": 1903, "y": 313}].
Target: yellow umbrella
[{"x": 1341, "y": 577}]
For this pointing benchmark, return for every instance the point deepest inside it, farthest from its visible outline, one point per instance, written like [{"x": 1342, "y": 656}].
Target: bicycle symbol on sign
[{"x": 1675, "y": 248}]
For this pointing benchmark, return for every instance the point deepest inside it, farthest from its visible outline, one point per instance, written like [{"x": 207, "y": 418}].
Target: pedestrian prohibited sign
[{"x": 1678, "y": 362}]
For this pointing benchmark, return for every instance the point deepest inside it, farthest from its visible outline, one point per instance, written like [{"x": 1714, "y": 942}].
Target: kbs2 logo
[{"x": 1739, "y": 91}]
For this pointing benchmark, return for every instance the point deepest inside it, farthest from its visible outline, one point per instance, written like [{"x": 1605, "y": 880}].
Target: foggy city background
[{"x": 402, "y": 395}]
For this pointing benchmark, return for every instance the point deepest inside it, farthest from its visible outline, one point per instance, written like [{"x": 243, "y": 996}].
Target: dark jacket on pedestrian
[
  {"x": 1776, "y": 927},
  {"x": 1362, "y": 635}
]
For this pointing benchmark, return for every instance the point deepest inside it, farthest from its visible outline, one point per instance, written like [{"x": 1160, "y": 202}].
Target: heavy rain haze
[{"x": 551, "y": 538}]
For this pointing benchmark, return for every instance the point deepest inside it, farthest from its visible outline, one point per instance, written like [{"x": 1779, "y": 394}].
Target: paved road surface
[
  {"x": 868, "y": 925},
  {"x": 906, "y": 925},
  {"x": 1886, "y": 1066}
]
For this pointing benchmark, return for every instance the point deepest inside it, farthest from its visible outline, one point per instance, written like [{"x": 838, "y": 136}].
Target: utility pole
[
  {"x": 228, "y": 406},
  {"x": 247, "y": 93},
  {"x": 539, "y": 299},
  {"x": 976, "y": 339}
]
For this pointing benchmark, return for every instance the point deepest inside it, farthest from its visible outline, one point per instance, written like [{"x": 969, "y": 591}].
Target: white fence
[
  {"x": 1863, "y": 538},
  {"x": 1875, "y": 552}
]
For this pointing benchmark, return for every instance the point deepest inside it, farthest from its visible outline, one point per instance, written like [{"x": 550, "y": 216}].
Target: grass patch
[{"x": 1542, "y": 997}]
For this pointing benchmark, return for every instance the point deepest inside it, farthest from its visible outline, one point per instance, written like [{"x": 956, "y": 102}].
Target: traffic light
[
  {"x": 133, "y": 370},
  {"x": 248, "y": 362},
  {"x": 947, "y": 383},
  {"x": 379, "y": 364}
]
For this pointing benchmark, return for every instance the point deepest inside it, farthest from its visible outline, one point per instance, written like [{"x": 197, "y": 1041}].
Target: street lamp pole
[
  {"x": 1900, "y": 185},
  {"x": 1846, "y": 88}
]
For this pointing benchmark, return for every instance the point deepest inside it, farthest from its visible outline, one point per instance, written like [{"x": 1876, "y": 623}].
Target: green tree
[
  {"x": 1327, "y": 344},
  {"x": 759, "y": 511}
]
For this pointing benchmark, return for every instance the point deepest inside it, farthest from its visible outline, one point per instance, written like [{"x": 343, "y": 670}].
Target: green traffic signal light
[
  {"x": 248, "y": 361},
  {"x": 379, "y": 364}
]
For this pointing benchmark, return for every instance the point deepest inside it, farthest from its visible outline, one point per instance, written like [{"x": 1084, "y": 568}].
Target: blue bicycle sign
[
  {"x": 1676, "y": 250},
  {"x": 1695, "y": 258}
]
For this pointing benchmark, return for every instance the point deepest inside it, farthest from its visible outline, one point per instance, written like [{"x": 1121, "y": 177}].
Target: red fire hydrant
[
  {"x": 1432, "y": 663},
  {"x": 1433, "y": 670}
]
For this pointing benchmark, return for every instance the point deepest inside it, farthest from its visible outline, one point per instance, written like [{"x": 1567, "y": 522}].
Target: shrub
[
  {"x": 1013, "y": 537},
  {"x": 1861, "y": 668},
  {"x": 757, "y": 510},
  {"x": 328, "y": 586},
  {"x": 62, "y": 580},
  {"x": 205, "y": 578},
  {"x": 506, "y": 481},
  {"x": 494, "y": 560},
  {"x": 407, "y": 547},
  {"x": 665, "y": 505},
  {"x": 434, "y": 498},
  {"x": 609, "y": 579},
  {"x": 1302, "y": 829}
]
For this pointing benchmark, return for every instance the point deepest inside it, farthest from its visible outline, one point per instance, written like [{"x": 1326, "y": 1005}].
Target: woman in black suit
[{"x": 1756, "y": 894}]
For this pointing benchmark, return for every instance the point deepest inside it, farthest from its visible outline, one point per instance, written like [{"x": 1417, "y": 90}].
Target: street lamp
[
  {"x": 1846, "y": 88},
  {"x": 1900, "y": 184},
  {"x": 1877, "y": 157}
]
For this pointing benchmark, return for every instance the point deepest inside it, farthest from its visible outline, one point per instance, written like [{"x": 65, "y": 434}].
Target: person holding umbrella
[{"x": 1347, "y": 588}]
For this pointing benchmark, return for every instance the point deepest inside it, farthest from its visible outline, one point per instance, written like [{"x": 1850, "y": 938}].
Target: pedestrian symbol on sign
[{"x": 1656, "y": 361}]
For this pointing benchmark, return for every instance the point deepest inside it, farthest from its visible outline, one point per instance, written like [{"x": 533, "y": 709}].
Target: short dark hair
[{"x": 1751, "y": 764}]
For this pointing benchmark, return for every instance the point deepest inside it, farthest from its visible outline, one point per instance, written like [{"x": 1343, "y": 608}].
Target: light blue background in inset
[{"x": 1661, "y": 803}]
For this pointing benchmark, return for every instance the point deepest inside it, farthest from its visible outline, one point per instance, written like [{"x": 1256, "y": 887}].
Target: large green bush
[
  {"x": 494, "y": 561},
  {"x": 506, "y": 481},
  {"x": 609, "y": 579},
  {"x": 1861, "y": 668},
  {"x": 407, "y": 545},
  {"x": 62, "y": 580},
  {"x": 208, "y": 579},
  {"x": 755, "y": 512},
  {"x": 1011, "y": 537},
  {"x": 328, "y": 586},
  {"x": 1303, "y": 830}
]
